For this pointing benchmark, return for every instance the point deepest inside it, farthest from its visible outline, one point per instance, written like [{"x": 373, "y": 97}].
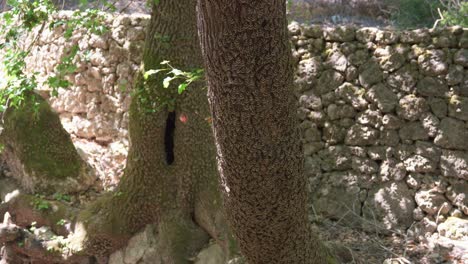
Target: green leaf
[
  {"x": 151, "y": 72},
  {"x": 164, "y": 62},
  {"x": 177, "y": 72},
  {"x": 182, "y": 87},
  {"x": 167, "y": 81}
]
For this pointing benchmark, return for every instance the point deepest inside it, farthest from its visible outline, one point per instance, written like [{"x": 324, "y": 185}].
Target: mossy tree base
[{"x": 39, "y": 152}]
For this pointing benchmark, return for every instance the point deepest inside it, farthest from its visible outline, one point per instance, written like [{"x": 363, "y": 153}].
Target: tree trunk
[
  {"x": 39, "y": 152},
  {"x": 249, "y": 71},
  {"x": 171, "y": 177}
]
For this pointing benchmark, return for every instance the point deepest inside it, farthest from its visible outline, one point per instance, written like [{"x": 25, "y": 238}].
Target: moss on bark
[{"x": 39, "y": 151}]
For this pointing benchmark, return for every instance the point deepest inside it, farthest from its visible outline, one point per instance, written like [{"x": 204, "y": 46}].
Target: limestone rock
[
  {"x": 454, "y": 164},
  {"x": 387, "y": 37},
  {"x": 383, "y": 97},
  {"x": 413, "y": 131},
  {"x": 430, "y": 86},
  {"x": 329, "y": 81},
  {"x": 433, "y": 63},
  {"x": 392, "y": 205},
  {"x": 392, "y": 62},
  {"x": 452, "y": 134},
  {"x": 454, "y": 228},
  {"x": 458, "y": 195},
  {"x": 338, "y": 61},
  {"x": 411, "y": 107},
  {"x": 438, "y": 107},
  {"x": 359, "y": 135},
  {"x": 366, "y": 34},
  {"x": 370, "y": 74},
  {"x": 213, "y": 254},
  {"x": 458, "y": 107},
  {"x": 352, "y": 95},
  {"x": 340, "y": 34},
  {"x": 392, "y": 170},
  {"x": 461, "y": 57},
  {"x": 336, "y": 158},
  {"x": 418, "y": 163}
]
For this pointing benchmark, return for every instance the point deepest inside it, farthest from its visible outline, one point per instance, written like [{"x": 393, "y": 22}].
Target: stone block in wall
[
  {"x": 310, "y": 68},
  {"x": 403, "y": 79},
  {"x": 413, "y": 131},
  {"x": 372, "y": 118},
  {"x": 415, "y": 36},
  {"x": 438, "y": 107},
  {"x": 353, "y": 95},
  {"x": 452, "y": 134},
  {"x": 294, "y": 28},
  {"x": 390, "y": 121},
  {"x": 338, "y": 197},
  {"x": 370, "y": 73},
  {"x": 458, "y": 107},
  {"x": 390, "y": 204},
  {"x": 359, "y": 57},
  {"x": 392, "y": 62},
  {"x": 461, "y": 57},
  {"x": 366, "y": 34},
  {"x": 333, "y": 133},
  {"x": 337, "y": 61},
  {"x": 420, "y": 164},
  {"x": 387, "y": 37},
  {"x": 433, "y": 62},
  {"x": 427, "y": 150},
  {"x": 430, "y": 86},
  {"x": 454, "y": 163},
  {"x": 455, "y": 74},
  {"x": 313, "y": 31},
  {"x": 340, "y": 34},
  {"x": 329, "y": 81},
  {"x": 392, "y": 170},
  {"x": 457, "y": 194},
  {"x": 359, "y": 135},
  {"x": 411, "y": 107},
  {"x": 432, "y": 202},
  {"x": 383, "y": 97},
  {"x": 335, "y": 158}
]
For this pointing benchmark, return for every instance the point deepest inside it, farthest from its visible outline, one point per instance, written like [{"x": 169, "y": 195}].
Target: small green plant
[
  {"x": 62, "y": 197},
  {"x": 186, "y": 77},
  {"x": 61, "y": 222},
  {"x": 455, "y": 13},
  {"x": 40, "y": 203},
  {"x": 164, "y": 76}
]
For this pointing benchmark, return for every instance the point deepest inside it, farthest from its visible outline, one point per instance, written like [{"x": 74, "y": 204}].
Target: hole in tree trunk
[{"x": 169, "y": 137}]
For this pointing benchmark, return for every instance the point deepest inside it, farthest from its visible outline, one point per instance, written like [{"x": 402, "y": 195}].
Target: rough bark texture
[
  {"x": 171, "y": 178},
  {"x": 170, "y": 167},
  {"x": 247, "y": 56},
  {"x": 39, "y": 152}
]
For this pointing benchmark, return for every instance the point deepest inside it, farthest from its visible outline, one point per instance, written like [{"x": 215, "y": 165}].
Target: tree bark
[
  {"x": 39, "y": 152},
  {"x": 171, "y": 178},
  {"x": 249, "y": 72}
]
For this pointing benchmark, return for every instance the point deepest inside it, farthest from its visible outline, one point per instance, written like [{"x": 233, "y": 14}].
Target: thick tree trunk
[
  {"x": 171, "y": 176},
  {"x": 248, "y": 62}
]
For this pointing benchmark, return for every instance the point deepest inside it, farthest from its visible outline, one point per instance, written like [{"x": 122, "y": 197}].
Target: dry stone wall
[
  {"x": 384, "y": 115},
  {"x": 384, "y": 119}
]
